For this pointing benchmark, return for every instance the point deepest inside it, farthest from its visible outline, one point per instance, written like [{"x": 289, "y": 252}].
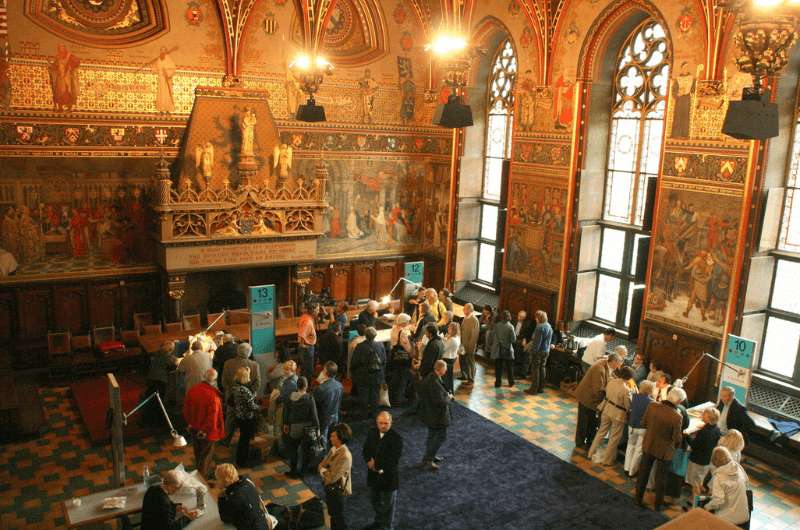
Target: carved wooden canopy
[{"x": 102, "y": 23}]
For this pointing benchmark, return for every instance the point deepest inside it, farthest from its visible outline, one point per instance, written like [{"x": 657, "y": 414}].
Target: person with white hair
[
  {"x": 202, "y": 410},
  {"x": 728, "y": 489},
  {"x": 242, "y": 360},
  {"x": 369, "y": 316},
  {"x": 224, "y": 353},
  {"x": 195, "y": 364},
  {"x": 158, "y": 510},
  {"x": 664, "y": 434},
  {"x": 639, "y": 404},
  {"x": 400, "y": 357}
]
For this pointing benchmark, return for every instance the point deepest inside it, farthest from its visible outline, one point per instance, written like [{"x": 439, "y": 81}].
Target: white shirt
[
  {"x": 595, "y": 349},
  {"x": 451, "y": 346}
]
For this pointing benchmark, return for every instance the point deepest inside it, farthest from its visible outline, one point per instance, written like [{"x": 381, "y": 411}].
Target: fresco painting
[
  {"x": 535, "y": 230},
  {"x": 693, "y": 256}
]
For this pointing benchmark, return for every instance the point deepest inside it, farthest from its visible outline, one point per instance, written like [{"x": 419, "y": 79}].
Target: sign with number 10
[{"x": 739, "y": 353}]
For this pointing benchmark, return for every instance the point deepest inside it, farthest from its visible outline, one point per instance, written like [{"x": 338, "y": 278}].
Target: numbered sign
[
  {"x": 414, "y": 271},
  {"x": 262, "y": 318},
  {"x": 740, "y": 354}
]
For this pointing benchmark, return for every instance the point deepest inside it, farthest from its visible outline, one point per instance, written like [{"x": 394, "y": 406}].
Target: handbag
[{"x": 680, "y": 461}]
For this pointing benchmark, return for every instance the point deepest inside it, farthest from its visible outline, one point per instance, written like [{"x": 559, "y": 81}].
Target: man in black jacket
[
  {"x": 433, "y": 350},
  {"x": 422, "y": 323},
  {"x": 227, "y": 351},
  {"x": 732, "y": 414},
  {"x": 158, "y": 510},
  {"x": 382, "y": 450},
  {"x": 369, "y": 367},
  {"x": 434, "y": 405},
  {"x": 523, "y": 329}
]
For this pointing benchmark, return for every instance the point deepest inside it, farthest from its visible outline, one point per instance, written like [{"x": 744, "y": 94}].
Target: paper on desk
[
  {"x": 190, "y": 481},
  {"x": 114, "y": 503}
]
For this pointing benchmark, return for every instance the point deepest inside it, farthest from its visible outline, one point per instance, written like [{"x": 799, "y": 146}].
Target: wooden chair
[
  {"x": 172, "y": 327},
  {"x": 140, "y": 320},
  {"x": 238, "y": 316},
  {"x": 101, "y": 334},
  {"x": 59, "y": 353},
  {"x": 286, "y": 311},
  {"x": 151, "y": 329},
  {"x": 130, "y": 337},
  {"x": 83, "y": 359},
  {"x": 191, "y": 322},
  {"x": 131, "y": 356},
  {"x": 220, "y": 323}
]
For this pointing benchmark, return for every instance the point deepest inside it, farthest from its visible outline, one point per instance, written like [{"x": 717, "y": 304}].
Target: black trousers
[
  {"x": 498, "y": 371},
  {"x": 586, "y": 427},
  {"x": 247, "y": 429},
  {"x": 448, "y": 376},
  {"x": 662, "y": 469},
  {"x": 335, "y": 502}
]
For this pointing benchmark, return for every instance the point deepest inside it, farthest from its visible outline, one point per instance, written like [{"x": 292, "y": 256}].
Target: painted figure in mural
[
  {"x": 31, "y": 241},
  {"x": 368, "y": 87},
  {"x": 248, "y": 126},
  {"x": 204, "y": 159},
  {"x": 409, "y": 90},
  {"x": 381, "y": 231},
  {"x": 77, "y": 234},
  {"x": 164, "y": 67},
  {"x": 700, "y": 268},
  {"x": 293, "y": 93},
  {"x": 9, "y": 238},
  {"x": 682, "y": 89},
  {"x": 282, "y": 164},
  {"x": 353, "y": 231},
  {"x": 562, "y": 106},
  {"x": 5, "y": 85},
  {"x": 64, "y": 79}
]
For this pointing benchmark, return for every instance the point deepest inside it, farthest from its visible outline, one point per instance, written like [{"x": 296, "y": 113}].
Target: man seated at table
[
  {"x": 369, "y": 316},
  {"x": 158, "y": 510}
]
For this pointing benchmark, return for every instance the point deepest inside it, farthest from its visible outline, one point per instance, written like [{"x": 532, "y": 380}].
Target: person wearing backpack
[
  {"x": 368, "y": 366},
  {"x": 299, "y": 414}
]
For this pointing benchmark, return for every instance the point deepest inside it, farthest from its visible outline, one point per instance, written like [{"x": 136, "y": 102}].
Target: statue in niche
[
  {"x": 248, "y": 125},
  {"x": 282, "y": 165},
  {"x": 682, "y": 89},
  {"x": 368, "y": 87},
  {"x": 64, "y": 79},
  {"x": 164, "y": 67},
  {"x": 204, "y": 158}
]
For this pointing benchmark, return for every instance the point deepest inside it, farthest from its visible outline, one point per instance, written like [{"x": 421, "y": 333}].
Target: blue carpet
[{"x": 490, "y": 479}]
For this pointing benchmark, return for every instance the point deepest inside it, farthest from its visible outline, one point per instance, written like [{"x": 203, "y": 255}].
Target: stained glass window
[
  {"x": 641, "y": 83},
  {"x": 641, "y": 80},
  {"x": 499, "y": 121}
]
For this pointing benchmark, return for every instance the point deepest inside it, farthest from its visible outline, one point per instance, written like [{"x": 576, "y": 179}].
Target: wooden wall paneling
[
  {"x": 319, "y": 279},
  {"x": 103, "y": 304},
  {"x": 678, "y": 352},
  {"x": 6, "y": 316},
  {"x": 33, "y": 311},
  {"x": 544, "y": 300},
  {"x": 362, "y": 281},
  {"x": 514, "y": 298},
  {"x": 385, "y": 276},
  {"x": 69, "y": 309},
  {"x": 340, "y": 282},
  {"x": 434, "y": 273},
  {"x": 141, "y": 296}
]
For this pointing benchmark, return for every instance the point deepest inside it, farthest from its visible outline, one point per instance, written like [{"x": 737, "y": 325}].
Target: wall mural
[
  {"x": 536, "y": 230},
  {"x": 693, "y": 257},
  {"x": 381, "y": 206},
  {"x": 60, "y": 220}
]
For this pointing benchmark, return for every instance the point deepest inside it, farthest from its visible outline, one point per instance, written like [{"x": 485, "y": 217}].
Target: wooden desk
[
  {"x": 284, "y": 328},
  {"x": 91, "y": 512}
]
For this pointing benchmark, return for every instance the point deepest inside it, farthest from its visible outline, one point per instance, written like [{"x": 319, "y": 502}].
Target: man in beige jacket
[
  {"x": 470, "y": 329},
  {"x": 590, "y": 394},
  {"x": 614, "y": 415}
]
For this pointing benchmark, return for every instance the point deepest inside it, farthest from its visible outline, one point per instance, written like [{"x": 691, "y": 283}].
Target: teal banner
[
  {"x": 414, "y": 271},
  {"x": 261, "y": 304},
  {"x": 739, "y": 353}
]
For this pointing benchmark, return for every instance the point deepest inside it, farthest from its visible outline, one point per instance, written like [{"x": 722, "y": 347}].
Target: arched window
[
  {"x": 641, "y": 82},
  {"x": 499, "y": 119}
]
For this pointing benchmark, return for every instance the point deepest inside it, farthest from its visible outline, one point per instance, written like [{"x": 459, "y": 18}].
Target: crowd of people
[{"x": 300, "y": 405}]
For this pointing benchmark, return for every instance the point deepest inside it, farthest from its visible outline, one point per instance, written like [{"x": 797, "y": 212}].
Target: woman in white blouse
[{"x": 452, "y": 343}]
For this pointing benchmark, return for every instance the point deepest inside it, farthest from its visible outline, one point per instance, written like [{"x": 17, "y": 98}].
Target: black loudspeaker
[
  {"x": 752, "y": 118},
  {"x": 453, "y": 114},
  {"x": 637, "y": 304},
  {"x": 649, "y": 204},
  {"x": 642, "y": 252},
  {"x": 310, "y": 111}
]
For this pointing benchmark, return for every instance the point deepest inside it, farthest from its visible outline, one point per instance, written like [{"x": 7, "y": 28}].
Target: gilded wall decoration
[
  {"x": 356, "y": 33},
  {"x": 408, "y": 89},
  {"x": 105, "y": 23},
  {"x": 545, "y": 153},
  {"x": 310, "y": 140},
  {"x": 546, "y": 108},
  {"x": 73, "y": 219},
  {"x": 693, "y": 255},
  {"x": 698, "y": 105},
  {"x": 83, "y": 135},
  {"x": 536, "y": 218},
  {"x": 705, "y": 166},
  {"x": 382, "y": 206}
]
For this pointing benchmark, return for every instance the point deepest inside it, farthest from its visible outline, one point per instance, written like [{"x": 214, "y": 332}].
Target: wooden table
[{"x": 91, "y": 512}]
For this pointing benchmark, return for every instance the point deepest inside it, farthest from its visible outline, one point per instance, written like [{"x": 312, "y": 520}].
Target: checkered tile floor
[{"x": 35, "y": 476}]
